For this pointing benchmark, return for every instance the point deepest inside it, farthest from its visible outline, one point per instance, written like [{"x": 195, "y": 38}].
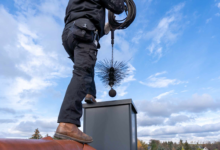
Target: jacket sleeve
[{"x": 115, "y": 6}]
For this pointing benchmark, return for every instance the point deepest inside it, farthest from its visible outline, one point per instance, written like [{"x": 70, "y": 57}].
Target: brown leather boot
[
  {"x": 70, "y": 131},
  {"x": 90, "y": 99}
]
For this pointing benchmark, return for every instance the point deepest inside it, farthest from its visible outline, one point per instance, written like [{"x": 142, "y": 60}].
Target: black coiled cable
[
  {"x": 130, "y": 10},
  {"x": 113, "y": 72}
]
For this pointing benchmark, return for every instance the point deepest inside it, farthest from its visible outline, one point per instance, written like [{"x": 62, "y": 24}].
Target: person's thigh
[
  {"x": 69, "y": 42},
  {"x": 85, "y": 55}
]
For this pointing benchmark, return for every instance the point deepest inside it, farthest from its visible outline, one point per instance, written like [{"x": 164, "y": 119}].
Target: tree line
[{"x": 157, "y": 145}]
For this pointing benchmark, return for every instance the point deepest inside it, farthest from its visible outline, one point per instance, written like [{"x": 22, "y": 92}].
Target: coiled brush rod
[{"x": 130, "y": 10}]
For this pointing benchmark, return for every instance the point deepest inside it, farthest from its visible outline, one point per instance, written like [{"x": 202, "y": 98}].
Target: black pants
[{"x": 84, "y": 56}]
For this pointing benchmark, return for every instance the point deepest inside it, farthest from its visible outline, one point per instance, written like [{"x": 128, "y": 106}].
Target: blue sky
[{"x": 174, "y": 68}]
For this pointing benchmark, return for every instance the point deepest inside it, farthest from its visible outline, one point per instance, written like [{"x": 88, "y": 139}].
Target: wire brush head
[{"x": 111, "y": 74}]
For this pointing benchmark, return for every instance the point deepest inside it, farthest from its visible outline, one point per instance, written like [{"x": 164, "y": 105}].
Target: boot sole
[{"x": 61, "y": 136}]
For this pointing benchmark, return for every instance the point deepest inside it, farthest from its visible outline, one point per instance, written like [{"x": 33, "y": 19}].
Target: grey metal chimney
[{"x": 112, "y": 124}]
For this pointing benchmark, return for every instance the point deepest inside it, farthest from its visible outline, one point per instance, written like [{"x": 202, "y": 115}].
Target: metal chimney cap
[{"x": 112, "y": 103}]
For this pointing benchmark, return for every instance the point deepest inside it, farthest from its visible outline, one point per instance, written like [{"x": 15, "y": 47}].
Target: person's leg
[
  {"x": 82, "y": 83},
  {"x": 93, "y": 82},
  {"x": 90, "y": 97},
  {"x": 84, "y": 58},
  {"x": 85, "y": 66}
]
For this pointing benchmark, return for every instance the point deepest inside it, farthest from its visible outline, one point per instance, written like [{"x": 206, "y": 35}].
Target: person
[{"x": 84, "y": 26}]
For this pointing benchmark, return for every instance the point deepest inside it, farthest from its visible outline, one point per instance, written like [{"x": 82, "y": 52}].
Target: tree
[
  {"x": 139, "y": 145},
  {"x": 181, "y": 142},
  {"x": 179, "y": 148},
  {"x": 186, "y": 146},
  {"x": 203, "y": 145},
  {"x": 154, "y": 144},
  {"x": 36, "y": 134},
  {"x": 194, "y": 146},
  {"x": 142, "y": 145},
  {"x": 170, "y": 145},
  {"x": 160, "y": 147}
]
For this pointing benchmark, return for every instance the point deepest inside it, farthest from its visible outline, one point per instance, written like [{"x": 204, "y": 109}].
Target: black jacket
[{"x": 93, "y": 10}]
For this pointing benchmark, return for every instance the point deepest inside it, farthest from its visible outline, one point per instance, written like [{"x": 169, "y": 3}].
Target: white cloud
[
  {"x": 33, "y": 50},
  {"x": 42, "y": 125},
  {"x": 148, "y": 1},
  {"x": 176, "y": 8},
  {"x": 53, "y": 8},
  {"x": 123, "y": 50},
  {"x": 159, "y": 52},
  {"x": 138, "y": 37},
  {"x": 121, "y": 91},
  {"x": 104, "y": 94},
  {"x": 193, "y": 118},
  {"x": 195, "y": 104},
  {"x": 131, "y": 74},
  {"x": 208, "y": 20},
  {"x": 181, "y": 123},
  {"x": 164, "y": 94},
  {"x": 32, "y": 58},
  {"x": 218, "y": 5},
  {"x": 166, "y": 31},
  {"x": 144, "y": 120},
  {"x": 7, "y": 110},
  {"x": 162, "y": 28},
  {"x": 181, "y": 129},
  {"x": 173, "y": 120},
  {"x": 160, "y": 73},
  {"x": 160, "y": 82},
  {"x": 25, "y": 129},
  {"x": 99, "y": 100},
  {"x": 184, "y": 91},
  {"x": 8, "y": 121},
  {"x": 217, "y": 14},
  {"x": 129, "y": 78},
  {"x": 38, "y": 62}
]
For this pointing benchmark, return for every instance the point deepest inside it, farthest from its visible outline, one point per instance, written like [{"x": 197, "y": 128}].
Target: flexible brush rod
[{"x": 112, "y": 37}]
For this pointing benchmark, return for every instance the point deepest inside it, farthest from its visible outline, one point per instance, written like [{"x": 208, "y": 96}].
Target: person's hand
[{"x": 107, "y": 28}]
